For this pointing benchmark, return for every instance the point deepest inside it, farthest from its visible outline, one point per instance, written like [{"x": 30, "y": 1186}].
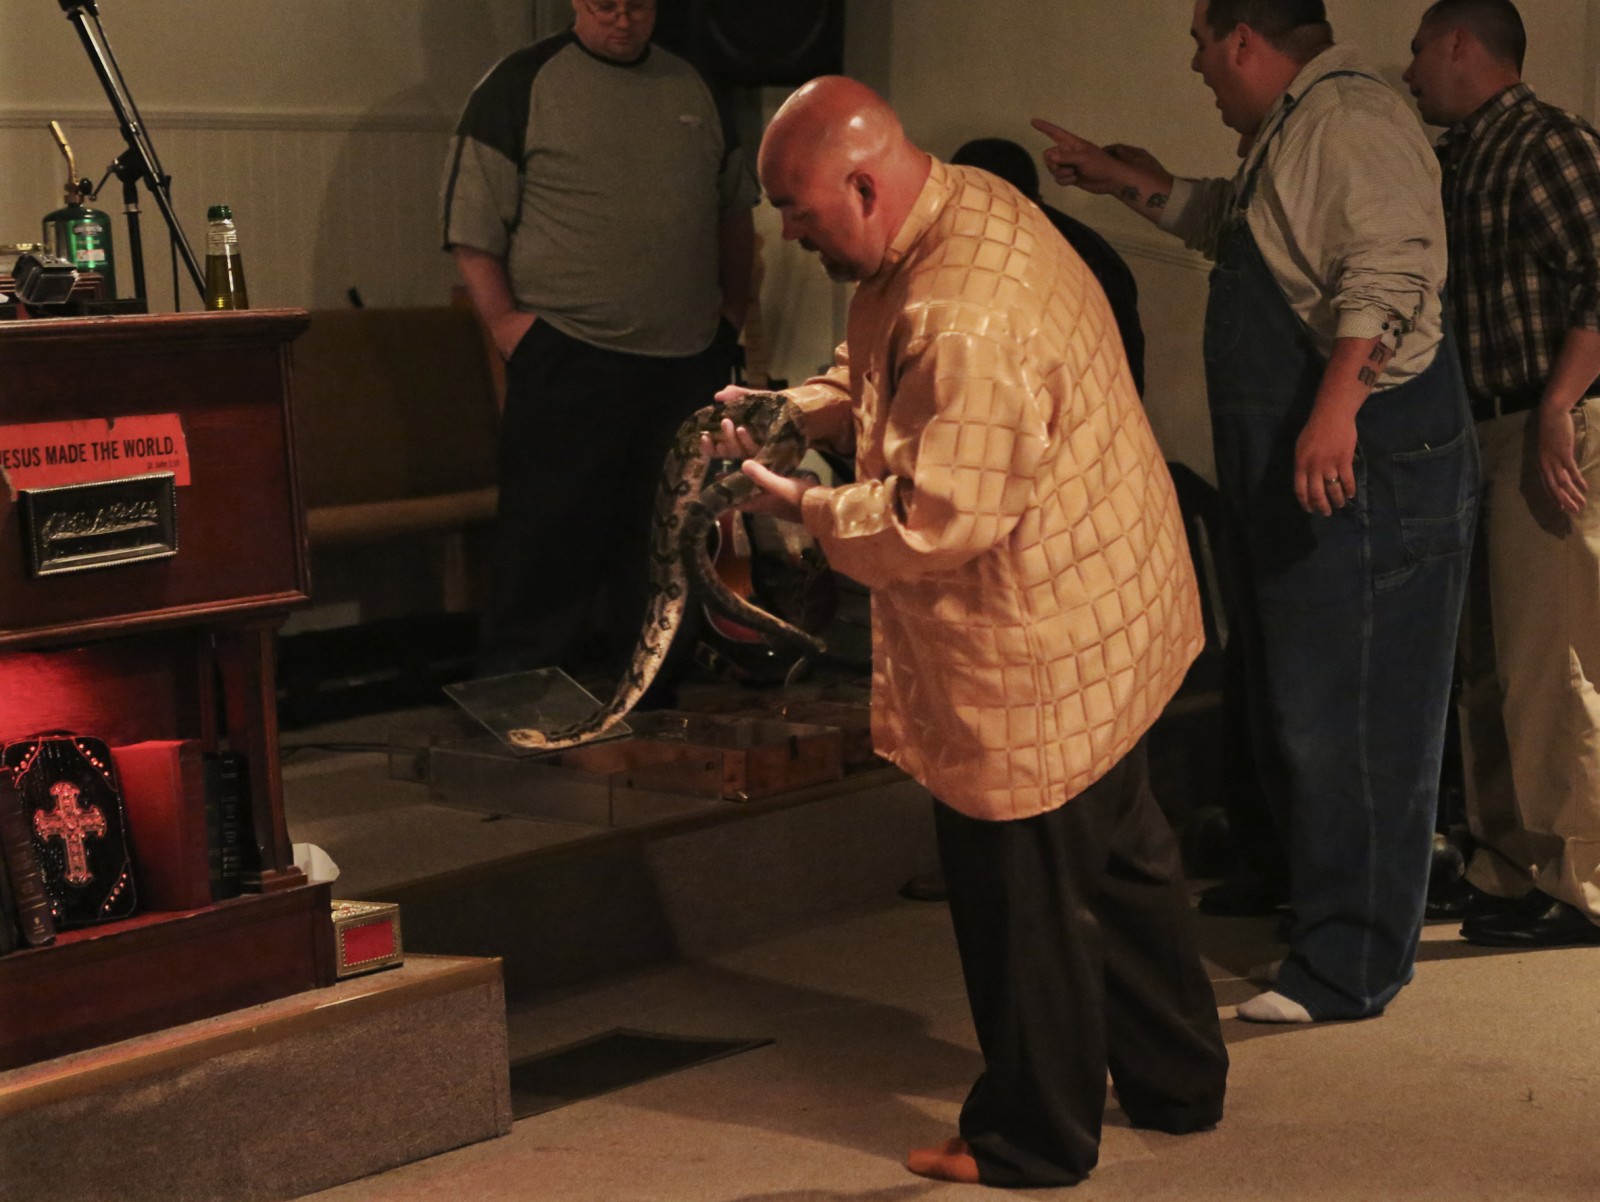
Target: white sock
[{"x": 1273, "y": 1007}]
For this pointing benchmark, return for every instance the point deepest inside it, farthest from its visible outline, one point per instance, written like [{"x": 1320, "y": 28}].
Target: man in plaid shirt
[{"x": 1522, "y": 202}]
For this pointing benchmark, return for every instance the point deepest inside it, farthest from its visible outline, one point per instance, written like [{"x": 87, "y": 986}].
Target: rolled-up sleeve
[
  {"x": 1371, "y": 207},
  {"x": 963, "y": 441},
  {"x": 1196, "y": 211},
  {"x": 1559, "y": 202}
]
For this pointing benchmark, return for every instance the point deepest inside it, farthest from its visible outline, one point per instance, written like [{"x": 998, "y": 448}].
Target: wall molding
[
  {"x": 1169, "y": 251},
  {"x": 302, "y": 120}
]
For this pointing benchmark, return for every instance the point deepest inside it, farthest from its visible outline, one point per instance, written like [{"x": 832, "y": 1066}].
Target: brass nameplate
[{"x": 77, "y": 527}]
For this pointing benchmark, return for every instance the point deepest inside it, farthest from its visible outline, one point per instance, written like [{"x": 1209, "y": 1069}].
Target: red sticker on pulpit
[{"x": 45, "y": 454}]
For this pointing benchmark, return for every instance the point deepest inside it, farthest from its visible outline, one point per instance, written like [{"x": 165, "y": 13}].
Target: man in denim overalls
[{"x": 1346, "y": 458}]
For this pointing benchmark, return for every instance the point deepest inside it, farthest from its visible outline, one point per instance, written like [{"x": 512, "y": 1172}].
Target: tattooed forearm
[
  {"x": 1158, "y": 200},
  {"x": 1377, "y": 359},
  {"x": 1130, "y": 194}
]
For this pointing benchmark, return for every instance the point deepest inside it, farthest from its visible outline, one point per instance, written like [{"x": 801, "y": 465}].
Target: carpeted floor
[
  {"x": 608, "y": 1062},
  {"x": 1479, "y": 1085}
]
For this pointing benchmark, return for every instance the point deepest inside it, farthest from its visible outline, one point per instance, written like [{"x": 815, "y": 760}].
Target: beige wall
[
  {"x": 1120, "y": 72},
  {"x": 324, "y": 123}
]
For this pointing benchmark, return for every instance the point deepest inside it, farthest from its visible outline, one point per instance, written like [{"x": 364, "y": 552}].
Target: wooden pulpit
[{"x": 151, "y": 542}]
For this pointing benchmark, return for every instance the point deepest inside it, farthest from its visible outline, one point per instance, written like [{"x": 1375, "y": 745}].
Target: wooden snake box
[
  {"x": 853, "y": 720},
  {"x": 708, "y": 755}
]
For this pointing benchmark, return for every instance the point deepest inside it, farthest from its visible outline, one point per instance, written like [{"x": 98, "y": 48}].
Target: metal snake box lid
[
  {"x": 366, "y": 937},
  {"x": 737, "y": 758}
]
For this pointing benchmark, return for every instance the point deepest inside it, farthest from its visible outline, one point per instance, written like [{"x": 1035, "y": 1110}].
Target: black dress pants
[
  {"x": 582, "y": 442},
  {"x": 1078, "y": 952}
]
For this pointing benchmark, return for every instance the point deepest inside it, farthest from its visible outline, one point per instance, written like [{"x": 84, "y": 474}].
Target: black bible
[{"x": 26, "y": 879}]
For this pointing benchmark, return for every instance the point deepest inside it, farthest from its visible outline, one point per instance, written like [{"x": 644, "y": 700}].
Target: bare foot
[{"x": 949, "y": 1161}]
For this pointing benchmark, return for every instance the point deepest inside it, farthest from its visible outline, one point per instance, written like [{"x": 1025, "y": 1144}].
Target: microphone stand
[{"x": 139, "y": 161}]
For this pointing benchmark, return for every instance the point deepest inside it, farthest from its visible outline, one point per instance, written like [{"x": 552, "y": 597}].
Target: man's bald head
[
  {"x": 832, "y": 117},
  {"x": 837, "y": 165}
]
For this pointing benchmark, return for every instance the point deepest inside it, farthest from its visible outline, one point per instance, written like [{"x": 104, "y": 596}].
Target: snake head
[{"x": 758, "y": 412}]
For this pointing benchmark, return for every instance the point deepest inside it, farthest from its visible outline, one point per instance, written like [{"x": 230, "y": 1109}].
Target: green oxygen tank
[{"x": 77, "y": 233}]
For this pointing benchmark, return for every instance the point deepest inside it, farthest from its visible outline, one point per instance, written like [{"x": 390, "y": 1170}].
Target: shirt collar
[
  {"x": 1487, "y": 114},
  {"x": 936, "y": 192}
]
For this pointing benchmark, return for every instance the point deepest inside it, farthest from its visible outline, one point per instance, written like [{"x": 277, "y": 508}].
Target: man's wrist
[
  {"x": 1143, "y": 190},
  {"x": 1559, "y": 401},
  {"x": 1340, "y": 403}
]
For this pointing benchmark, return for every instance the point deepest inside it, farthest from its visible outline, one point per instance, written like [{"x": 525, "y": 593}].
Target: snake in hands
[{"x": 680, "y": 557}]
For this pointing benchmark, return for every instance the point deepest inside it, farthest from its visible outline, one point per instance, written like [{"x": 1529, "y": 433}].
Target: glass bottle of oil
[{"x": 225, "y": 287}]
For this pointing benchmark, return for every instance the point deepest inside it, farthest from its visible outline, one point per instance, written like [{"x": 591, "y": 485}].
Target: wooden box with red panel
[{"x": 151, "y": 542}]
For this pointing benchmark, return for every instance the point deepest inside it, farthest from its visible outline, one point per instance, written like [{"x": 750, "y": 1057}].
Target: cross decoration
[{"x": 71, "y": 822}]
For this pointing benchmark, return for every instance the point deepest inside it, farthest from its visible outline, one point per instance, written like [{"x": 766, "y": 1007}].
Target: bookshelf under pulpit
[{"x": 151, "y": 543}]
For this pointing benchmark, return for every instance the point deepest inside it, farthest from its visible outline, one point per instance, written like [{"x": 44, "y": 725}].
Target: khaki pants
[{"x": 1530, "y": 713}]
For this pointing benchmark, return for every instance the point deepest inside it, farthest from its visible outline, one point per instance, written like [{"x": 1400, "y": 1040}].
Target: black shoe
[
  {"x": 1462, "y": 900},
  {"x": 1243, "y": 897},
  {"x": 1541, "y": 921}
]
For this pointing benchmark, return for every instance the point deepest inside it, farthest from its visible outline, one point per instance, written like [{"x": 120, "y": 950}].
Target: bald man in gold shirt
[{"x": 1034, "y": 608}]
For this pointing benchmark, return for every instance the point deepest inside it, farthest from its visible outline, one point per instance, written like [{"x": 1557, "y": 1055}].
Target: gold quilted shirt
[{"x": 1034, "y": 605}]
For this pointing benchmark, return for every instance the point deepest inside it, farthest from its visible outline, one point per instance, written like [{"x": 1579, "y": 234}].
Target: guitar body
[{"x": 777, "y": 567}]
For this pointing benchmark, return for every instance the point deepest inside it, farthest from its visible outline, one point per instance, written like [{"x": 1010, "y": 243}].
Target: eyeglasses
[{"x": 612, "y": 11}]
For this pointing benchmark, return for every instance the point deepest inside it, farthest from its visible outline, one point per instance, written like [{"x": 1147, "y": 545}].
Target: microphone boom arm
[{"x": 139, "y": 160}]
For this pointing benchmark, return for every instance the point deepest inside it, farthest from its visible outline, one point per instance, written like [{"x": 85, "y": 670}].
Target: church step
[
  {"x": 690, "y": 882},
  {"x": 272, "y": 1101}
]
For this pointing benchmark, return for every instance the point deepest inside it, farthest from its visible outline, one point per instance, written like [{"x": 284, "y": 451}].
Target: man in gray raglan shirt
[{"x": 598, "y": 209}]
